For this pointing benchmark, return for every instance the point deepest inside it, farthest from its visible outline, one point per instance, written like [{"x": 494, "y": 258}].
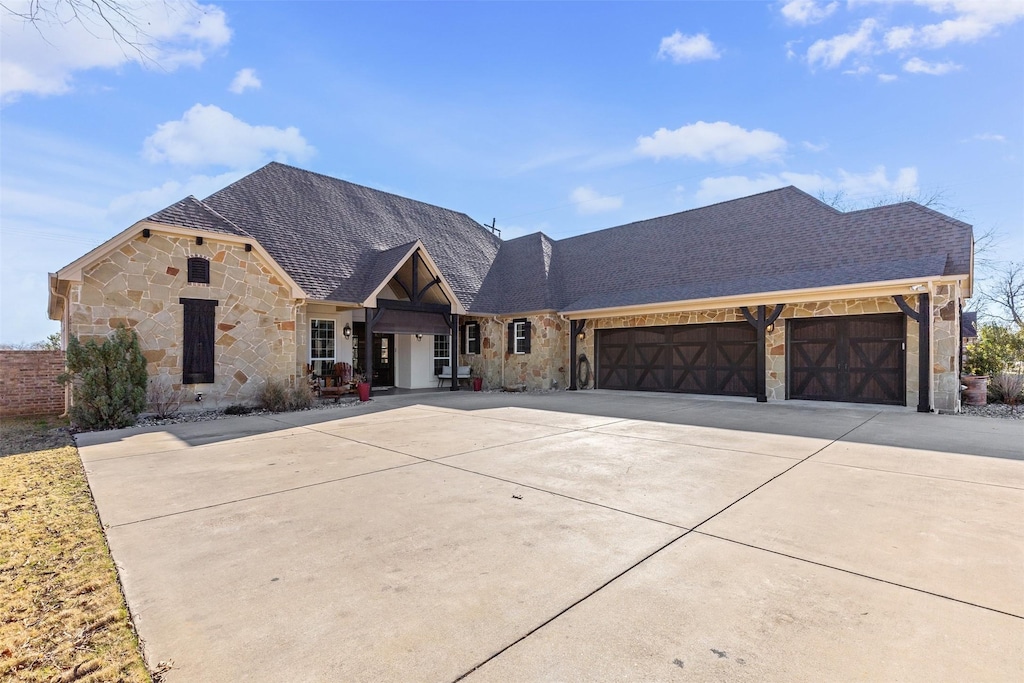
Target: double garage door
[{"x": 855, "y": 358}]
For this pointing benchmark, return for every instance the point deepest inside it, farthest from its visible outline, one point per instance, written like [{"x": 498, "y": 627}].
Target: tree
[
  {"x": 996, "y": 349},
  {"x": 1005, "y": 291},
  {"x": 108, "y": 380}
]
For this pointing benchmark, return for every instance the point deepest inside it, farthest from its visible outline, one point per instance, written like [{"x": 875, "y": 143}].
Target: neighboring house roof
[
  {"x": 337, "y": 240},
  {"x": 325, "y": 231},
  {"x": 969, "y": 325}
]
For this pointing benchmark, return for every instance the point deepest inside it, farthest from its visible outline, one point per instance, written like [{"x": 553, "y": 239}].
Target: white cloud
[
  {"x": 887, "y": 78},
  {"x": 899, "y": 38},
  {"x": 174, "y": 33},
  {"x": 989, "y": 137},
  {"x": 588, "y": 200},
  {"x": 207, "y": 134},
  {"x": 832, "y": 52},
  {"x": 811, "y": 147},
  {"x": 875, "y": 183},
  {"x": 245, "y": 79},
  {"x": 128, "y": 208},
  {"x": 917, "y": 65},
  {"x": 859, "y": 71},
  {"x": 681, "y": 49},
  {"x": 720, "y": 141},
  {"x": 805, "y": 12}
]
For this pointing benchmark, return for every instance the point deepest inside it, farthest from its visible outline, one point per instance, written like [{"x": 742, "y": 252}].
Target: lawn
[{"x": 62, "y": 614}]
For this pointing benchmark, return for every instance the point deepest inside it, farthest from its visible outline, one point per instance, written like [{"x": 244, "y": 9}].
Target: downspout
[
  {"x": 64, "y": 324},
  {"x": 931, "y": 347},
  {"x": 501, "y": 348}
]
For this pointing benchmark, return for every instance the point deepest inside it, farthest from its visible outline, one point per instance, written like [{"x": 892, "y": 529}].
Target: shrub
[
  {"x": 272, "y": 396},
  {"x": 300, "y": 397},
  {"x": 1006, "y": 387},
  {"x": 163, "y": 399},
  {"x": 108, "y": 380},
  {"x": 996, "y": 349}
]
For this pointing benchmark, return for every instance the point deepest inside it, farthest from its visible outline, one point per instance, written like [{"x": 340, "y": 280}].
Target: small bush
[
  {"x": 1006, "y": 387},
  {"x": 996, "y": 349},
  {"x": 108, "y": 380},
  {"x": 237, "y": 409},
  {"x": 272, "y": 396},
  {"x": 300, "y": 397},
  {"x": 164, "y": 400}
]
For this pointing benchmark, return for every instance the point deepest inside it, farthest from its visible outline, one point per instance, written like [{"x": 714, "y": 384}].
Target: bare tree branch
[{"x": 1005, "y": 293}]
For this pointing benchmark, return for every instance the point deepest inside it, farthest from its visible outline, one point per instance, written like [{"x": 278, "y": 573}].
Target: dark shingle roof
[
  {"x": 774, "y": 241},
  {"x": 192, "y": 213},
  {"x": 324, "y": 231},
  {"x": 339, "y": 240}
]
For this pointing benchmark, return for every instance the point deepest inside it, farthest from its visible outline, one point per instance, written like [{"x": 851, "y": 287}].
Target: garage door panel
[
  {"x": 703, "y": 359},
  {"x": 853, "y": 358}
]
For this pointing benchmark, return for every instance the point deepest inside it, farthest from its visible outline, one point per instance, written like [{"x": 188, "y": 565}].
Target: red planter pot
[{"x": 364, "y": 391}]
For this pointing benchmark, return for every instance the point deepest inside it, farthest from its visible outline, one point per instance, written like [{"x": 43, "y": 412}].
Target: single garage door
[
  {"x": 859, "y": 358},
  {"x": 694, "y": 359}
]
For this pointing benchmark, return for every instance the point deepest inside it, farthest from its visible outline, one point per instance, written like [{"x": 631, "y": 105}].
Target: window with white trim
[
  {"x": 442, "y": 352},
  {"x": 520, "y": 336},
  {"x": 321, "y": 346},
  {"x": 471, "y": 338}
]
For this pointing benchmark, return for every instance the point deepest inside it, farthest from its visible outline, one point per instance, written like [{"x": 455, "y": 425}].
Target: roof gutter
[{"x": 792, "y": 296}]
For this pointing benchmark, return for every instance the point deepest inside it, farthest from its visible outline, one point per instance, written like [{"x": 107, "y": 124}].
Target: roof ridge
[{"x": 221, "y": 216}]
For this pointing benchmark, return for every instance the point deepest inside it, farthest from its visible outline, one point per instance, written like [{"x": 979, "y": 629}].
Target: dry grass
[{"x": 62, "y": 616}]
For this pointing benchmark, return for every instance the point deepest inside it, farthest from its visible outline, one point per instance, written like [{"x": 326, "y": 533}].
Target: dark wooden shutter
[
  {"x": 462, "y": 339},
  {"x": 199, "y": 270},
  {"x": 198, "y": 341},
  {"x": 528, "y": 332},
  {"x": 511, "y": 337}
]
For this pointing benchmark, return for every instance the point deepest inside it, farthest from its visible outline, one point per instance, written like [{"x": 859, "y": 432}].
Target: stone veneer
[
  {"x": 945, "y": 338},
  {"x": 139, "y": 285},
  {"x": 546, "y": 363}
]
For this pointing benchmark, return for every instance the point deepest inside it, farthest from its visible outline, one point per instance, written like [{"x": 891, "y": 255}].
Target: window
[
  {"x": 198, "y": 270},
  {"x": 519, "y": 332},
  {"x": 471, "y": 338},
  {"x": 442, "y": 352},
  {"x": 198, "y": 341},
  {"x": 321, "y": 346}
]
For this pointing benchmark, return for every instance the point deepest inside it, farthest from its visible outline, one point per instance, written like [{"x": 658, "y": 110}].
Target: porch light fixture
[
  {"x": 347, "y": 331},
  {"x": 581, "y": 335},
  {"x": 917, "y": 288},
  {"x": 419, "y": 336},
  {"x": 770, "y": 328}
]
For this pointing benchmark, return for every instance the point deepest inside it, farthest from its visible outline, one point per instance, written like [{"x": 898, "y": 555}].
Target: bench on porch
[{"x": 464, "y": 373}]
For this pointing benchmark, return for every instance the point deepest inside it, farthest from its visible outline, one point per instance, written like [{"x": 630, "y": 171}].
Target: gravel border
[{"x": 998, "y": 410}]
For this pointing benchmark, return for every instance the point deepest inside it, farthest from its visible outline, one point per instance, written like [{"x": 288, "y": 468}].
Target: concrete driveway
[{"x": 590, "y": 536}]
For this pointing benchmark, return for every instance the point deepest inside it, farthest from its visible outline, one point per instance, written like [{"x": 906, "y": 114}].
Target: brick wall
[{"x": 28, "y": 383}]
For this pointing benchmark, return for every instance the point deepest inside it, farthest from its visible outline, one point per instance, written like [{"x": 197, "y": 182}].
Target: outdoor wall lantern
[
  {"x": 581, "y": 335},
  {"x": 770, "y": 328},
  {"x": 347, "y": 331},
  {"x": 419, "y": 336}
]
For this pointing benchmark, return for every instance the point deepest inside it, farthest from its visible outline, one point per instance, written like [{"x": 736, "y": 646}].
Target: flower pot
[
  {"x": 478, "y": 383},
  {"x": 976, "y": 393},
  {"x": 364, "y": 391}
]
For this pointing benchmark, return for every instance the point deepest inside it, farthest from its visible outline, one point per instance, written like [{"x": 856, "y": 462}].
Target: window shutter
[
  {"x": 529, "y": 333},
  {"x": 198, "y": 341},
  {"x": 511, "y": 337},
  {"x": 462, "y": 339}
]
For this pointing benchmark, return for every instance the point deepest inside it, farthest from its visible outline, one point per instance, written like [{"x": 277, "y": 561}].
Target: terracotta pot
[
  {"x": 364, "y": 391},
  {"x": 976, "y": 393},
  {"x": 478, "y": 383}
]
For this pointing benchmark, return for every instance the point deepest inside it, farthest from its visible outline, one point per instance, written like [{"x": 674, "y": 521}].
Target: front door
[{"x": 383, "y": 355}]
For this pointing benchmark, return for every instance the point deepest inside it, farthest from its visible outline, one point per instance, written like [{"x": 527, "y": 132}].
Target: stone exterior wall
[
  {"x": 140, "y": 284},
  {"x": 945, "y": 340},
  {"x": 545, "y": 365},
  {"x": 28, "y": 383}
]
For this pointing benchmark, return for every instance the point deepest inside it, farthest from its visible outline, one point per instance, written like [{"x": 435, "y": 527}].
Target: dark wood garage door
[
  {"x": 859, "y": 359},
  {"x": 694, "y": 359}
]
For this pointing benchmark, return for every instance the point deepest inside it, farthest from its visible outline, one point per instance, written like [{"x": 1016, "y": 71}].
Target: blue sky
[{"x": 558, "y": 117}]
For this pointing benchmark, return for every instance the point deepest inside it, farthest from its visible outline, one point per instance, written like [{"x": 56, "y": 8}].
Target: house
[{"x": 775, "y": 296}]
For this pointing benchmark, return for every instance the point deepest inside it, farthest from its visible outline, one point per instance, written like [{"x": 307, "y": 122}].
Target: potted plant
[{"x": 363, "y": 387}]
